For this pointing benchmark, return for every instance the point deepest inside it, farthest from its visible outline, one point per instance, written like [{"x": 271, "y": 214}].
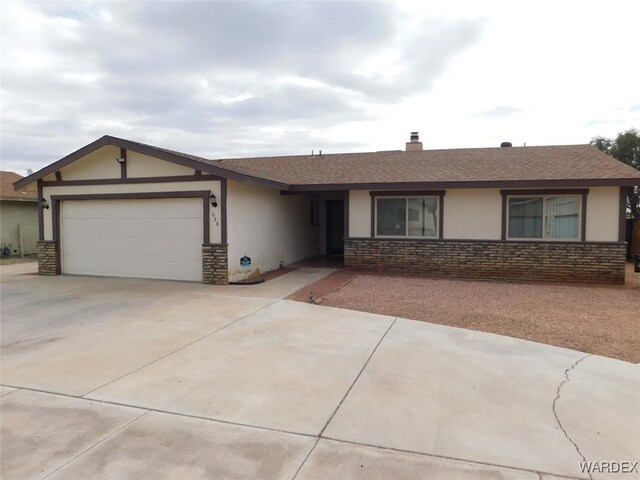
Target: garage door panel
[
  {"x": 159, "y": 238},
  {"x": 134, "y": 268},
  {"x": 118, "y": 209},
  {"x": 112, "y": 229}
]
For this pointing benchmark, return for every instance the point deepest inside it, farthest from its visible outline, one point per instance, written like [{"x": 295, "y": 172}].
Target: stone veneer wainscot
[{"x": 588, "y": 262}]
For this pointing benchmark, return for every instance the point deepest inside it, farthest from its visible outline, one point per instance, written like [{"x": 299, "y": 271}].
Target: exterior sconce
[
  {"x": 44, "y": 204},
  {"x": 213, "y": 200},
  {"x": 121, "y": 160}
]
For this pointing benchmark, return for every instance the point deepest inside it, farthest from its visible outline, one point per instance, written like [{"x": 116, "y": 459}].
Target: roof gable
[{"x": 192, "y": 161}]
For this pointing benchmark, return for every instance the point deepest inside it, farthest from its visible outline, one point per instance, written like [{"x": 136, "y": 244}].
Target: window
[
  {"x": 544, "y": 217},
  {"x": 407, "y": 217}
]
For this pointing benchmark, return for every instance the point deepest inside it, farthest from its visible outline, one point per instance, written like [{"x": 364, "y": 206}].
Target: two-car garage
[
  {"x": 117, "y": 208},
  {"x": 157, "y": 238}
]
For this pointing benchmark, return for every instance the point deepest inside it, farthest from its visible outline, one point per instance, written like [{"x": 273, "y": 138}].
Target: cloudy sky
[{"x": 226, "y": 79}]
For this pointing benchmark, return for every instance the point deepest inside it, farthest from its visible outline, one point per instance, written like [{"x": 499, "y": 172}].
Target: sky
[{"x": 243, "y": 78}]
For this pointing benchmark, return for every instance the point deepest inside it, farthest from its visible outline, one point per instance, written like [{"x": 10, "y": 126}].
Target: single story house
[
  {"x": 18, "y": 217},
  {"x": 121, "y": 208}
]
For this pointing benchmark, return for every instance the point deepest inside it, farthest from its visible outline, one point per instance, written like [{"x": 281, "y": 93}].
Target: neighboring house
[
  {"x": 121, "y": 208},
  {"x": 18, "y": 217}
]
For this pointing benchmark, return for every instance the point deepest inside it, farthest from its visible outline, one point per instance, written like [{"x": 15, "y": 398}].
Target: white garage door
[{"x": 159, "y": 238}]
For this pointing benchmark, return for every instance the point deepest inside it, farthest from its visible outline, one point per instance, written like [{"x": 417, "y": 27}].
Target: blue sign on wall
[{"x": 245, "y": 262}]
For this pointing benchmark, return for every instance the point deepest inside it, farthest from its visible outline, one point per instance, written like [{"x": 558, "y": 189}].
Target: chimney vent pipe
[{"x": 414, "y": 144}]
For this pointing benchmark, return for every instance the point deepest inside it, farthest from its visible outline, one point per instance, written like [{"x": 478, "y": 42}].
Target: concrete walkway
[{"x": 121, "y": 378}]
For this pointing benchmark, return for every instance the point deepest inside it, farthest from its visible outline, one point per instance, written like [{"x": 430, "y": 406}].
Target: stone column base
[
  {"x": 48, "y": 258},
  {"x": 215, "y": 264}
]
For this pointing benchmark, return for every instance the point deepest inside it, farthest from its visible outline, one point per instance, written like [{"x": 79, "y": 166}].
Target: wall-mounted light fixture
[
  {"x": 213, "y": 200},
  {"x": 121, "y": 160},
  {"x": 44, "y": 204}
]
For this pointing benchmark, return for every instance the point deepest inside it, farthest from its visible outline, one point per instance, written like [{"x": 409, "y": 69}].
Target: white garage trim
[{"x": 168, "y": 246}]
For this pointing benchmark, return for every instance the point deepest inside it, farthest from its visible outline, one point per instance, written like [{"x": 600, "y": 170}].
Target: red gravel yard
[{"x": 599, "y": 319}]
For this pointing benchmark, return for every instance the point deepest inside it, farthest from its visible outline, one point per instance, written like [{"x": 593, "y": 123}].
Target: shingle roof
[
  {"x": 567, "y": 162},
  {"x": 7, "y": 192},
  {"x": 547, "y": 166}
]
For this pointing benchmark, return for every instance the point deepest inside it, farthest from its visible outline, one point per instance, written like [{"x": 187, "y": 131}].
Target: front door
[{"x": 335, "y": 227}]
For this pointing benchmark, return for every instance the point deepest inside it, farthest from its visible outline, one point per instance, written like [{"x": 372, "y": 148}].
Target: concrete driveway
[{"x": 120, "y": 378}]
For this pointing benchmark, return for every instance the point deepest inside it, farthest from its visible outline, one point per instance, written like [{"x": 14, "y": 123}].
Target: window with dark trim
[
  {"x": 544, "y": 217},
  {"x": 412, "y": 217}
]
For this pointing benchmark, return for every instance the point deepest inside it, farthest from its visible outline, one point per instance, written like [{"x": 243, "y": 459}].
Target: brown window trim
[
  {"x": 409, "y": 193},
  {"x": 40, "y": 212},
  {"x": 204, "y": 194},
  {"x": 622, "y": 222},
  {"x": 537, "y": 192},
  {"x": 346, "y": 214}
]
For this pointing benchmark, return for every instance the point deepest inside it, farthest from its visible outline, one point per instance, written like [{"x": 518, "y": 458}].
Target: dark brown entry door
[{"x": 335, "y": 227}]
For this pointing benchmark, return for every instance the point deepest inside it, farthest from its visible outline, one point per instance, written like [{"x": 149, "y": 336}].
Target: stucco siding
[
  {"x": 359, "y": 213},
  {"x": 96, "y": 165},
  {"x": 139, "y": 165},
  {"x": 473, "y": 214},
  {"x": 13, "y": 213},
  {"x": 603, "y": 207},
  {"x": 476, "y": 214},
  {"x": 268, "y": 227},
  {"x": 213, "y": 185}
]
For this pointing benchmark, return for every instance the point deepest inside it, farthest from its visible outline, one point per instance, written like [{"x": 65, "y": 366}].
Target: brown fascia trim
[
  {"x": 132, "y": 180},
  {"x": 560, "y": 183},
  {"x": 407, "y": 193},
  {"x": 204, "y": 194},
  {"x": 202, "y": 165},
  {"x": 300, "y": 192},
  {"x": 622, "y": 220},
  {"x": 474, "y": 240},
  {"x": 583, "y": 192}
]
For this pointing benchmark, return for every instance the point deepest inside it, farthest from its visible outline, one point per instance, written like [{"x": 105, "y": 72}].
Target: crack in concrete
[
  {"x": 555, "y": 411},
  {"x": 316, "y": 437}
]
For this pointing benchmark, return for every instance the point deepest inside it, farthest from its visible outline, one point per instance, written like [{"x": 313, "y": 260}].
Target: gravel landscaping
[
  {"x": 14, "y": 260},
  {"x": 599, "y": 319}
]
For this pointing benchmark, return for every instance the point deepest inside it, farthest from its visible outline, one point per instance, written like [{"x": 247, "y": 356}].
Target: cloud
[
  {"x": 635, "y": 108},
  {"x": 195, "y": 75},
  {"x": 602, "y": 122},
  {"x": 500, "y": 111}
]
